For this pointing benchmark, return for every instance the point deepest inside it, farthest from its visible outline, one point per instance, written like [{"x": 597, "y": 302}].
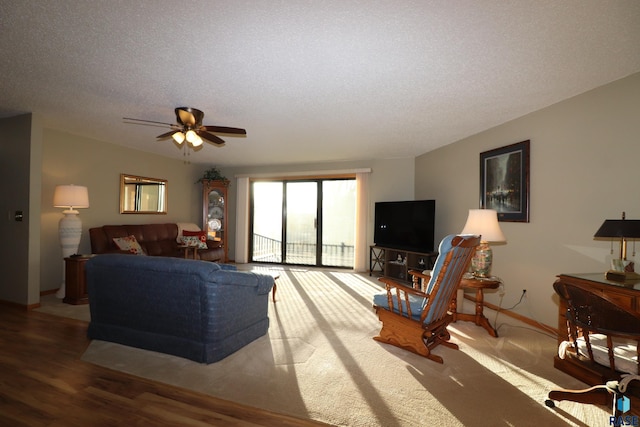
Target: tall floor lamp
[{"x": 71, "y": 197}]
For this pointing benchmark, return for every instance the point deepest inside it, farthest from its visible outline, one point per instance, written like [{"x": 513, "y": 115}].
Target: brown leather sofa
[{"x": 155, "y": 240}]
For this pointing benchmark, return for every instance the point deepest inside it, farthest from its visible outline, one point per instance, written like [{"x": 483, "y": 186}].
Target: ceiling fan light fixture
[
  {"x": 178, "y": 137},
  {"x": 193, "y": 138},
  {"x": 189, "y": 127}
]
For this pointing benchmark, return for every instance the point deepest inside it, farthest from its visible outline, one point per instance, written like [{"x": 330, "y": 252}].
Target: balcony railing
[{"x": 266, "y": 249}]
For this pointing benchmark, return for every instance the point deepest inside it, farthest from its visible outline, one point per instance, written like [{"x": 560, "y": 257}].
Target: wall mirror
[{"x": 142, "y": 195}]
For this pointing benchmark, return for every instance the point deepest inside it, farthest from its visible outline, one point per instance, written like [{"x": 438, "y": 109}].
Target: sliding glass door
[
  {"x": 304, "y": 222},
  {"x": 301, "y": 223}
]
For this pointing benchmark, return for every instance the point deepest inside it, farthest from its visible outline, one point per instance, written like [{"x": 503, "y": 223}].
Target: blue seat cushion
[
  {"x": 415, "y": 302},
  {"x": 444, "y": 247}
]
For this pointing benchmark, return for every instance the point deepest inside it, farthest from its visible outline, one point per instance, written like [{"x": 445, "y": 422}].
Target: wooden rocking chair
[
  {"x": 417, "y": 321},
  {"x": 590, "y": 313}
]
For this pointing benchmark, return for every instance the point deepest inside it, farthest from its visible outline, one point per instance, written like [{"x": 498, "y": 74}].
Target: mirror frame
[{"x": 138, "y": 181}]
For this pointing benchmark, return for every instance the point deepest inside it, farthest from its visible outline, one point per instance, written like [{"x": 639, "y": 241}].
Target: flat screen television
[{"x": 405, "y": 225}]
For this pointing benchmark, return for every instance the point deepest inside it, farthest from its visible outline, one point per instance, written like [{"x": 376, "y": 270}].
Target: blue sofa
[{"x": 198, "y": 310}]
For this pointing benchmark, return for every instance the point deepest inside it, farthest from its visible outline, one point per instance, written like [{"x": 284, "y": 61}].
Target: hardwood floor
[{"x": 43, "y": 382}]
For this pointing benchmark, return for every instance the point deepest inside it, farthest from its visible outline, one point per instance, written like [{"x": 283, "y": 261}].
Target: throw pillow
[
  {"x": 129, "y": 244},
  {"x": 195, "y": 238}
]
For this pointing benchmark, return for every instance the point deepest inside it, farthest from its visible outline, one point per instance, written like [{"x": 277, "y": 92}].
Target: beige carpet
[{"x": 319, "y": 361}]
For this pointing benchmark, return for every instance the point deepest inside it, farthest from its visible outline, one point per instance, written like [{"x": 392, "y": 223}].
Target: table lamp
[
  {"x": 622, "y": 229},
  {"x": 483, "y": 222},
  {"x": 71, "y": 197}
]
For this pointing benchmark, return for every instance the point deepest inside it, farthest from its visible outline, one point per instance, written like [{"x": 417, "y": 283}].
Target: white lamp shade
[
  {"x": 71, "y": 196},
  {"x": 485, "y": 223},
  {"x": 178, "y": 137},
  {"x": 193, "y": 138}
]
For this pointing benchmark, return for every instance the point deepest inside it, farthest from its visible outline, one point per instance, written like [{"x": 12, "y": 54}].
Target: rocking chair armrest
[
  {"x": 420, "y": 274},
  {"x": 402, "y": 296}
]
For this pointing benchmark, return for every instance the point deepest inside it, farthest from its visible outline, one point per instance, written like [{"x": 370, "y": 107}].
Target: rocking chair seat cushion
[{"x": 415, "y": 302}]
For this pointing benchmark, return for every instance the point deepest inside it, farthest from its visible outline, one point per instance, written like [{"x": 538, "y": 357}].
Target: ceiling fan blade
[
  {"x": 146, "y": 122},
  {"x": 188, "y": 116},
  {"x": 224, "y": 129},
  {"x": 211, "y": 138},
  {"x": 166, "y": 134}
]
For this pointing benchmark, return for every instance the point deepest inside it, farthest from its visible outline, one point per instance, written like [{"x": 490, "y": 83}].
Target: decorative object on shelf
[
  {"x": 504, "y": 181},
  {"x": 214, "y": 208},
  {"x": 71, "y": 197},
  {"x": 483, "y": 222},
  {"x": 622, "y": 229},
  {"x": 212, "y": 174}
]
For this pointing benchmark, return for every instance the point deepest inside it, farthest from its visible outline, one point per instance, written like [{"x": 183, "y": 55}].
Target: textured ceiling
[{"x": 311, "y": 81}]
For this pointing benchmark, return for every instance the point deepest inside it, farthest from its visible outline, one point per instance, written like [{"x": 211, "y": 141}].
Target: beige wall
[
  {"x": 71, "y": 159},
  {"x": 584, "y": 157}
]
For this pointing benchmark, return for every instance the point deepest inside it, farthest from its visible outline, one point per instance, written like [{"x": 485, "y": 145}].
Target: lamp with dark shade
[{"x": 620, "y": 229}]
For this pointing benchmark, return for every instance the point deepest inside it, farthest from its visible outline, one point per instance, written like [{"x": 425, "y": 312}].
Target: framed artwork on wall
[{"x": 504, "y": 181}]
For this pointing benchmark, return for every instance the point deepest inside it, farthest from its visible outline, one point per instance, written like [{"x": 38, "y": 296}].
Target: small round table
[
  {"x": 479, "y": 284},
  {"x": 188, "y": 248}
]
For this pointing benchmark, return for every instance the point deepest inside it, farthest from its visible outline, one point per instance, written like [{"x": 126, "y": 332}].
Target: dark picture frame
[{"x": 504, "y": 181}]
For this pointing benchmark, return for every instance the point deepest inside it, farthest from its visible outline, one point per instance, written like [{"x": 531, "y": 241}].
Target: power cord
[
  {"x": 524, "y": 292},
  {"x": 495, "y": 321}
]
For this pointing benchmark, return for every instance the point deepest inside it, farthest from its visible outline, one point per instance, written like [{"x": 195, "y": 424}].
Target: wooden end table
[
  {"x": 468, "y": 282},
  {"x": 187, "y": 248},
  {"x": 75, "y": 281},
  {"x": 272, "y": 273},
  {"x": 479, "y": 284}
]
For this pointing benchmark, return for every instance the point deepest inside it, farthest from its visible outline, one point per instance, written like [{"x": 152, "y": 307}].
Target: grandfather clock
[{"x": 214, "y": 211}]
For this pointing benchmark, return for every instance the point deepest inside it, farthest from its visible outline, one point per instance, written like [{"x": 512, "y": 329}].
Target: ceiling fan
[{"x": 191, "y": 129}]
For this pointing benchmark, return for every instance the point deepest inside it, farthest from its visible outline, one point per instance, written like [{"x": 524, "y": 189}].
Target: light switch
[{"x": 18, "y": 216}]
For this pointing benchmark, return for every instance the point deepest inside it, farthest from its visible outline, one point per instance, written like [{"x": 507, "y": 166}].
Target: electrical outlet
[{"x": 524, "y": 295}]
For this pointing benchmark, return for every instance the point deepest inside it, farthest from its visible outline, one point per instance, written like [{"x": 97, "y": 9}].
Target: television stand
[{"x": 396, "y": 263}]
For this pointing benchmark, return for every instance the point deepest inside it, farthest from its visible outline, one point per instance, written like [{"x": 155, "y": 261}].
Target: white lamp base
[{"x": 69, "y": 232}]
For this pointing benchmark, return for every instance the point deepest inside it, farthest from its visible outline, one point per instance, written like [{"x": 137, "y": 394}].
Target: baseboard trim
[
  {"x": 520, "y": 317},
  {"x": 26, "y": 307}
]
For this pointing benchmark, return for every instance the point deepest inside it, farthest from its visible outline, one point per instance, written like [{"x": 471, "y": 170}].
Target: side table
[
  {"x": 188, "y": 248},
  {"x": 274, "y": 274},
  {"x": 75, "y": 280},
  {"x": 470, "y": 282},
  {"x": 479, "y": 284}
]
